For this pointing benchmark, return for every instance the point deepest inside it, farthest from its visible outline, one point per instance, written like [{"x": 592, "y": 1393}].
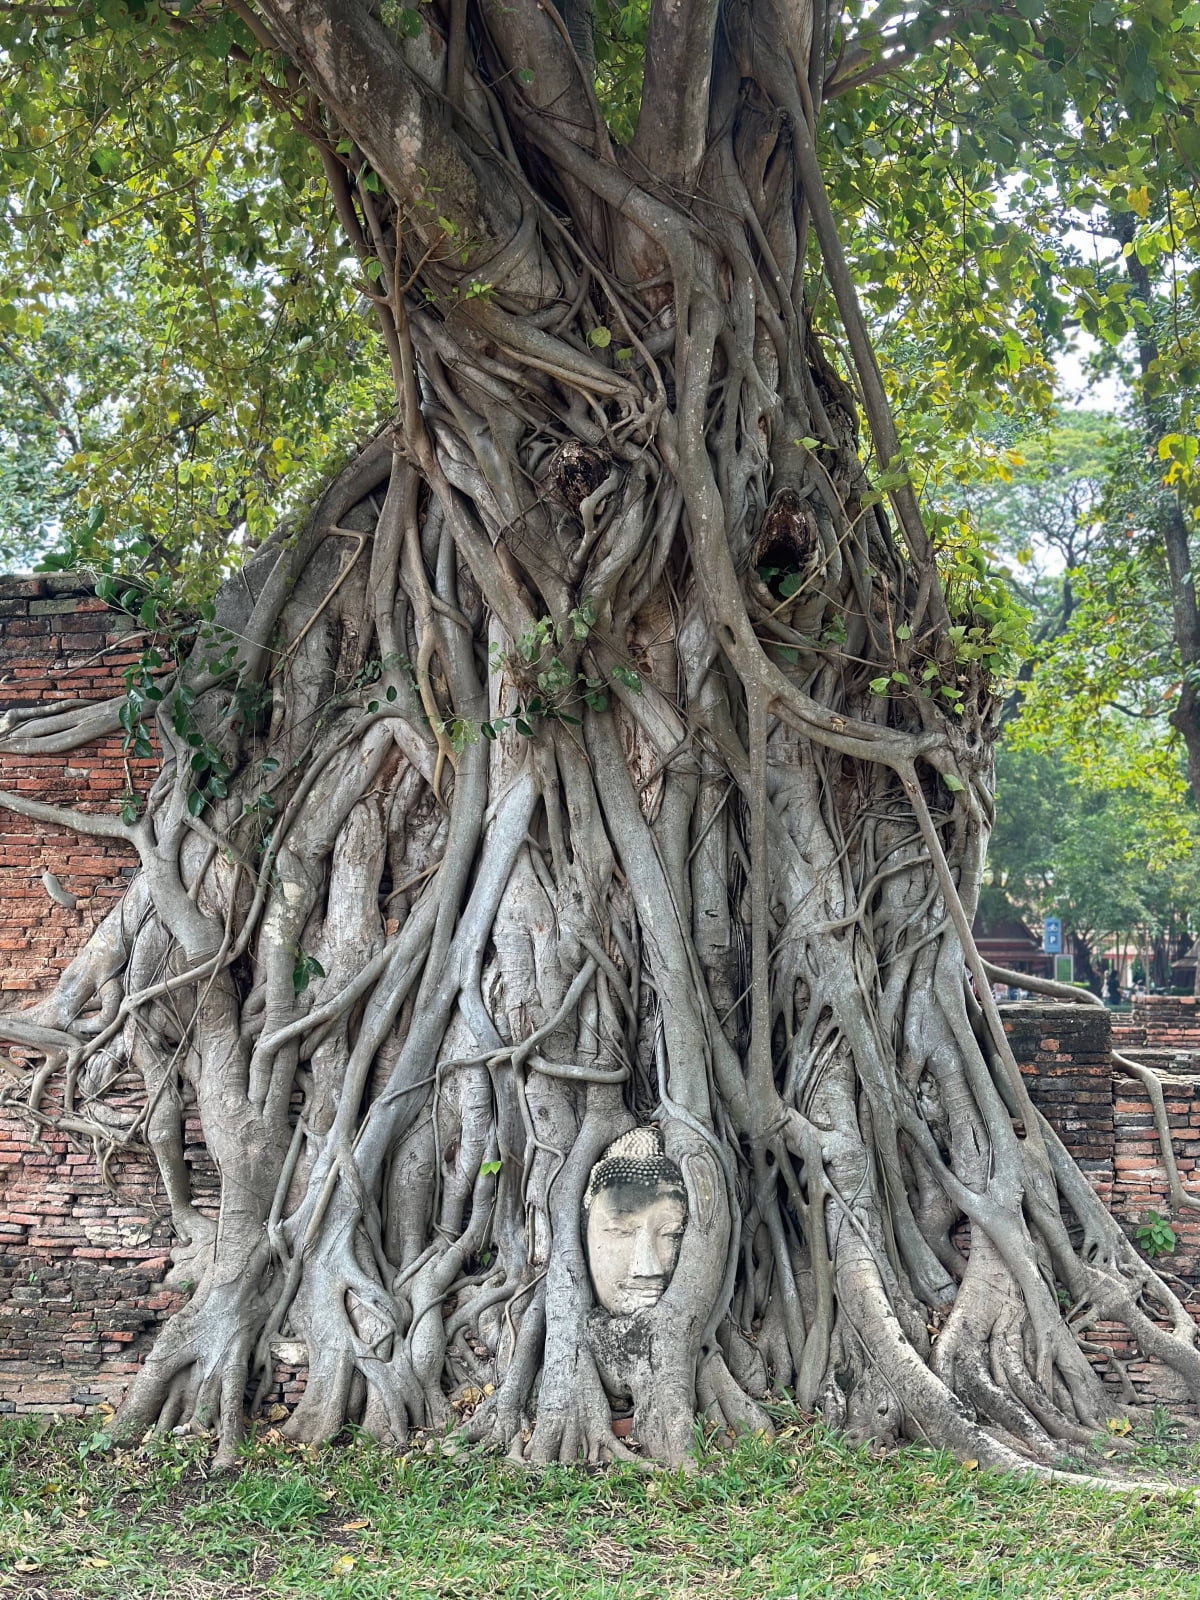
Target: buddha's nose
[{"x": 644, "y": 1262}]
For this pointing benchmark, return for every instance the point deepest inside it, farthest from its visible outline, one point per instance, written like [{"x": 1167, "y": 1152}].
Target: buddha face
[{"x": 633, "y": 1234}]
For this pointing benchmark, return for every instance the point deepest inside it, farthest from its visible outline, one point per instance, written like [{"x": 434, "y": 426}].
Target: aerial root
[{"x": 724, "y": 1401}]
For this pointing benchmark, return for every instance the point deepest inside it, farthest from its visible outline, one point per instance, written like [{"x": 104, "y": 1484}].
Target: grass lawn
[{"x": 804, "y": 1516}]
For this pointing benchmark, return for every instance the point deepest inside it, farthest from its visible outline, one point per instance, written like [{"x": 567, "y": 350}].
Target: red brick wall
[
  {"x": 1107, "y": 1123},
  {"x": 57, "y": 642},
  {"x": 1159, "y": 1022},
  {"x": 80, "y": 1262},
  {"x": 1140, "y": 1186},
  {"x": 1064, "y": 1055}
]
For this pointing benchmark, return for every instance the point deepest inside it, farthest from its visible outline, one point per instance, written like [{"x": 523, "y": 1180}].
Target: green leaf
[
  {"x": 195, "y": 802},
  {"x": 488, "y": 1168},
  {"x": 955, "y": 785},
  {"x": 600, "y": 337},
  {"x": 305, "y": 970},
  {"x": 104, "y": 162}
]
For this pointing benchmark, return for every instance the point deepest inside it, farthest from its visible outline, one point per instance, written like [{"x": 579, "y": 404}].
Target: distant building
[
  {"x": 1183, "y": 971},
  {"x": 1008, "y": 942}
]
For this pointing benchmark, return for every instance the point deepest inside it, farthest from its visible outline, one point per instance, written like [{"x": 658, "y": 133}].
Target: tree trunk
[
  {"x": 598, "y": 757},
  {"x": 1085, "y": 970},
  {"x": 1168, "y": 518}
]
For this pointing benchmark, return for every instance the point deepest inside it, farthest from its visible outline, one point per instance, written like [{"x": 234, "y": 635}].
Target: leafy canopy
[{"x": 181, "y": 346}]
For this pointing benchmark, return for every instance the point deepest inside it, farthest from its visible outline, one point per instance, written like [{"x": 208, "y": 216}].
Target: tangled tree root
[{"x": 556, "y": 795}]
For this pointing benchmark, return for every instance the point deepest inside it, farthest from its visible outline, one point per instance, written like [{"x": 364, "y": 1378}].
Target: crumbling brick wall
[
  {"x": 1064, "y": 1053},
  {"x": 82, "y": 1253},
  {"x": 58, "y": 643},
  {"x": 1169, "y": 1022},
  {"x": 1106, "y": 1120}
]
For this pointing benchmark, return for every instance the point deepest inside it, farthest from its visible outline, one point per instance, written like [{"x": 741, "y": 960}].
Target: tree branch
[
  {"x": 362, "y": 73},
  {"x": 857, "y": 67},
  {"x": 673, "y": 120},
  {"x": 91, "y": 823}
]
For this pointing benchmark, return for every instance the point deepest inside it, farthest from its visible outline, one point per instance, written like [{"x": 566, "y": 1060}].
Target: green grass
[{"x": 805, "y": 1516}]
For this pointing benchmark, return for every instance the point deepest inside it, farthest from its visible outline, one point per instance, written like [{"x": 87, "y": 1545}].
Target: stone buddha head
[{"x": 635, "y": 1210}]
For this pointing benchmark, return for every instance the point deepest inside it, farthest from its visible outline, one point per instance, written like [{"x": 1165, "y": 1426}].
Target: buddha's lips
[{"x": 648, "y": 1293}]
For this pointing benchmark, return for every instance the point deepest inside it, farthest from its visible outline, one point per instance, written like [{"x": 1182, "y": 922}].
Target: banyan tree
[{"x": 556, "y": 894}]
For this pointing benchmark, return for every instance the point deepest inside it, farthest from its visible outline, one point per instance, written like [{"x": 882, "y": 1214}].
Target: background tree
[
  {"x": 1110, "y": 851},
  {"x": 182, "y": 352},
  {"x": 597, "y": 750}
]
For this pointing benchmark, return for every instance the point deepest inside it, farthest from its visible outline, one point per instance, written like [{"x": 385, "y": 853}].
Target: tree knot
[{"x": 574, "y": 472}]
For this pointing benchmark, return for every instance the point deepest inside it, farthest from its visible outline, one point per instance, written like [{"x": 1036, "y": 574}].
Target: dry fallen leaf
[
  {"x": 353, "y": 1527},
  {"x": 970, "y": 1466},
  {"x": 276, "y": 1413}
]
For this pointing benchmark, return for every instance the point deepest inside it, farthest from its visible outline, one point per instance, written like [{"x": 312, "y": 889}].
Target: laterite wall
[
  {"x": 57, "y": 642},
  {"x": 1105, "y": 1119},
  {"x": 83, "y": 1253}
]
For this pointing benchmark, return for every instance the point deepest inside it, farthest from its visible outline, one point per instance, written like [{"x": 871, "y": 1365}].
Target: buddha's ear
[{"x": 703, "y": 1180}]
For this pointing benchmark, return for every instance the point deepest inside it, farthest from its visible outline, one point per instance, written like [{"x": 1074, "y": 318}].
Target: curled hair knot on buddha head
[{"x": 636, "y": 1160}]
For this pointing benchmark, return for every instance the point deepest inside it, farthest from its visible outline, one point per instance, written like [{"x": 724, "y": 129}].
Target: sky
[{"x": 1081, "y": 391}]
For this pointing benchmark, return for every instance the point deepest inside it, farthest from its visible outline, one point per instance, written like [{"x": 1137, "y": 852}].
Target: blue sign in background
[{"x": 1052, "y": 936}]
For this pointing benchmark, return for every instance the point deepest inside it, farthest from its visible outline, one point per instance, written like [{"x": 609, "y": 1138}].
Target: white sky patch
[{"x": 1080, "y": 390}]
